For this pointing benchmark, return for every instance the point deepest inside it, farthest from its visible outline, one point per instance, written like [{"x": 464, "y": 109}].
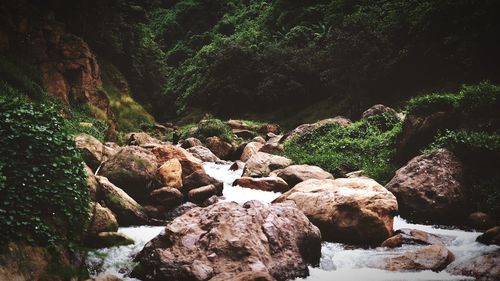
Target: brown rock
[
  {"x": 269, "y": 128},
  {"x": 358, "y": 211},
  {"x": 200, "y": 194},
  {"x": 133, "y": 169},
  {"x": 433, "y": 257},
  {"x": 228, "y": 240},
  {"x": 191, "y": 142},
  {"x": 91, "y": 183},
  {"x": 261, "y": 164},
  {"x": 414, "y": 236},
  {"x": 198, "y": 179},
  {"x": 483, "y": 268},
  {"x": 295, "y": 174},
  {"x": 220, "y": 148},
  {"x": 92, "y": 150},
  {"x": 244, "y": 134},
  {"x": 480, "y": 220},
  {"x": 490, "y": 237},
  {"x": 272, "y": 148},
  {"x": 102, "y": 220},
  {"x": 141, "y": 139},
  {"x": 189, "y": 163},
  {"x": 203, "y": 153},
  {"x": 170, "y": 173},
  {"x": 430, "y": 189},
  {"x": 274, "y": 184},
  {"x": 167, "y": 197},
  {"x": 376, "y": 110},
  {"x": 244, "y": 276},
  {"x": 237, "y": 165},
  {"x": 250, "y": 149},
  {"x": 126, "y": 209},
  {"x": 259, "y": 139}
]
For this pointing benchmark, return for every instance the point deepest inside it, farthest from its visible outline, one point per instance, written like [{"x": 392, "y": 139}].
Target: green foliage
[
  {"x": 468, "y": 143},
  {"x": 364, "y": 145},
  {"x": 43, "y": 198},
  {"x": 81, "y": 120},
  {"x": 208, "y": 128},
  {"x": 423, "y": 105}
]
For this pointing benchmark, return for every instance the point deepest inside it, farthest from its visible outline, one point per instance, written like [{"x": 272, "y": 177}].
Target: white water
[{"x": 338, "y": 261}]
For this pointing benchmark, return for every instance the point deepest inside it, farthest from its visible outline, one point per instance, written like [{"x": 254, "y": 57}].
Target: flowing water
[{"x": 338, "y": 261}]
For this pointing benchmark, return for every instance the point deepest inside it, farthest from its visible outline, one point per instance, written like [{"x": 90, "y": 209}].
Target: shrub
[
  {"x": 482, "y": 99},
  {"x": 364, "y": 145},
  {"x": 423, "y": 105},
  {"x": 209, "y": 128},
  {"x": 43, "y": 194}
]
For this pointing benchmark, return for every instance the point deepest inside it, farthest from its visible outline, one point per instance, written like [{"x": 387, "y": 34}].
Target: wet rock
[
  {"x": 357, "y": 211},
  {"x": 201, "y": 178},
  {"x": 110, "y": 239},
  {"x": 295, "y": 174},
  {"x": 433, "y": 257},
  {"x": 191, "y": 142},
  {"x": 376, "y": 110},
  {"x": 141, "y": 139},
  {"x": 168, "y": 197},
  {"x": 429, "y": 188},
  {"x": 133, "y": 169},
  {"x": 237, "y": 165},
  {"x": 484, "y": 268},
  {"x": 490, "y": 237},
  {"x": 274, "y": 184},
  {"x": 232, "y": 239},
  {"x": 480, "y": 220},
  {"x": 200, "y": 194},
  {"x": 126, "y": 209},
  {"x": 92, "y": 150},
  {"x": 220, "y": 148},
  {"x": 407, "y": 236},
  {"x": 261, "y": 164},
  {"x": 250, "y": 149},
  {"x": 170, "y": 173},
  {"x": 203, "y": 153},
  {"x": 189, "y": 163}
]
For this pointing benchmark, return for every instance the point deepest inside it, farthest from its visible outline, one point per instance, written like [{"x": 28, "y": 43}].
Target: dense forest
[{"x": 110, "y": 112}]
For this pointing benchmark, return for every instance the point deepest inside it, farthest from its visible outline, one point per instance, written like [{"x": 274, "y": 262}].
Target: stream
[{"x": 338, "y": 261}]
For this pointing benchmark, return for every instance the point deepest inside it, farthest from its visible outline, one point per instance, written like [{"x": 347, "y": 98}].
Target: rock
[
  {"x": 133, "y": 169},
  {"x": 110, "y": 239},
  {"x": 269, "y": 128},
  {"x": 189, "y": 163},
  {"x": 479, "y": 220},
  {"x": 490, "y": 237},
  {"x": 407, "y": 236},
  {"x": 240, "y": 125},
  {"x": 168, "y": 197},
  {"x": 191, "y": 142},
  {"x": 295, "y": 174},
  {"x": 355, "y": 174},
  {"x": 91, "y": 183},
  {"x": 244, "y": 276},
  {"x": 141, "y": 139},
  {"x": 200, "y": 194},
  {"x": 203, "y": 153},
  {"x": 274, "y": 184},
  {"x": 244, "y": 134},
  {"x": 220, "y": 148},
  {"x": 92, "y": 150},
  {"x": 430, "y": 189},
  {"x": 272, "y": 148},
  {"x": 198, "y": 179},
  {"x": 181, "y": 210},
  {"x": 250, "y": 149},
  {"x": 433, "y": 257},
  {"x": 261, "y": 164},
  {"x": 102, "y": 220},
  {"x": 307, "y": 128},
  {"x": 237, "y": 165},
  {"x": 259, "y": 139},
  {"x": 126, "y": 209},
  {"x": 274, "y": 139},
  {"x": 112, "y": 145},
  {"x": 357, "y": 211},
  {"x": 484, "y": 268},
  {"x": 170, "y": 173},
  {"x": 226, "y": 240},
  {"x": 376, "y": 110}
]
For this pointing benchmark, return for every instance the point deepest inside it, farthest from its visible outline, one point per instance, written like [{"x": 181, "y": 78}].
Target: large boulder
[
  {"x": 357, "y": 211},
  {"x": 295, "y": 174},
  {"x": 484, "y": 268},
  {"x": 250, "y": 149},
  {"x": 189, "y": 163},
  {"x": 200, "y": 194},
  {"x": 133, "y": 169},
  {"x": 92, "y": 184},
  {"x": 490, "y": 237},
  {"x": 199, "y": 179},
  {"x": 231, "y": 239},
  {"x": 167, "y": 197},
  {"x": 261, "y": 164},
  {"x": 219, "y": 147},
  {"x": 274, "y": 184},
  {"x": 273, "y": 148},
  {"x": 102, "y": 220},
  {"x": 92, "y": 150},
  {"x": 203, "y": 153},
  {"x": 307, "y": 128},
  {"x": 430, "y": 189},
  {"x": 170, "y": 173},
  {"x": 433, "y": 257},
  {"x": 407, "y": 236},
  {"x": 376, "y": 110},
  {"x": 126, "y": 209},
  {"x": 190, "y": 142},
  {"x": 141, "y": 139}
]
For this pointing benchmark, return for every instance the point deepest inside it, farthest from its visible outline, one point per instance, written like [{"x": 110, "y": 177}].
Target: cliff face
[{"x": 68, "y": 66}]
